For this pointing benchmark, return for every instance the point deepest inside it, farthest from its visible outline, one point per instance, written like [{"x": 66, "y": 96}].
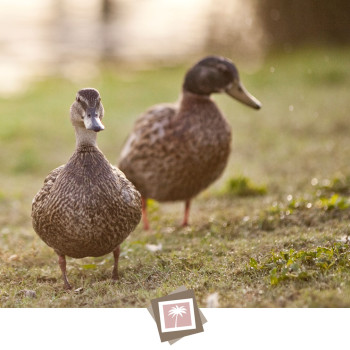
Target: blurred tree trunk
[
  {"x": 305, "y": 21},
  {"x": 108, "y": 17},
  {"x": 60, "y": 31}
]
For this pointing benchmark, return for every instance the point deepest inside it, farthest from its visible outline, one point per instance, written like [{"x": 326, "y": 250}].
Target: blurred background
[
  {"x": 294, "y": 56},
  {"x": 70, "y": 38}
]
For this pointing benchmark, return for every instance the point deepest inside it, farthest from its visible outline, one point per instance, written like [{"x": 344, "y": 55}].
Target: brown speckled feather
[
  {"x": 86, "y": 207},
  {"x": 174, "y": 152}
]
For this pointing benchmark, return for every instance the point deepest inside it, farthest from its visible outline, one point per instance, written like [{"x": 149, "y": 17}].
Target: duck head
[
  {"x": 215, "y": 74},
  {"x": 87, "y": 110}
]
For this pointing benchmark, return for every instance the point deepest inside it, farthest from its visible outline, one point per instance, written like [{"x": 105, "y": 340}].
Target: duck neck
[
  {"x": 189, "y": 100},
  {"x": 85, "y": 138},
  {"x": 191, "y": 97}
]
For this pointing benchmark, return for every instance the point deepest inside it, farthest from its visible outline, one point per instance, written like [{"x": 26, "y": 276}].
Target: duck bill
[
  {"x": 92, "y": 121},
  {"x": 239, "y": 92}
]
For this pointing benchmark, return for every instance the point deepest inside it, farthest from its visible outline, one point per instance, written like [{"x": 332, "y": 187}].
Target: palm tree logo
[{"x": 176, "y": 311}]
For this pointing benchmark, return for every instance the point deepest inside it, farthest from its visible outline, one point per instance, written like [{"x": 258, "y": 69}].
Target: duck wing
[
  {"x": 150, "y": 127},
  {"x": 130, "y": 195},
  {"x": 46, "y": 189}
]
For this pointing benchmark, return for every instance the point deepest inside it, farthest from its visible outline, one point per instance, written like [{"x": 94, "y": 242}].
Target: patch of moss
[
  {"x": 334, "y": 202},
  {"x": 303, "y": 264},
  {"x": 242, "y": 186},
  {"x": 338, "y": 185}
]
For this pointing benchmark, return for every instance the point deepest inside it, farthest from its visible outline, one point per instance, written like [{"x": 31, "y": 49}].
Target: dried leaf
[
  {"x": 154, "y": 248},
  {"x": 13, "y": 257},
  {"x": 28, "y": 293},
  {"x": 213, "y": 300}
]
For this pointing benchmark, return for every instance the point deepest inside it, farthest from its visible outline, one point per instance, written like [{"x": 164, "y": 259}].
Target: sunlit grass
[{"x": 295, "y": 152}]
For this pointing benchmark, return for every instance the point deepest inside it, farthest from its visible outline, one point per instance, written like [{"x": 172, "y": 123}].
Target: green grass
[
  {"x": 283, "y": 245},
  {"x": 311, "y": 264},
  {"x": 243, "y": 187}
]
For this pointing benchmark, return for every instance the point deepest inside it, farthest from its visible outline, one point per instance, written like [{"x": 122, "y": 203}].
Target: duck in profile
[
  {"x": 86, "y": 207},
  {"x": 176, "y": 151}
]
